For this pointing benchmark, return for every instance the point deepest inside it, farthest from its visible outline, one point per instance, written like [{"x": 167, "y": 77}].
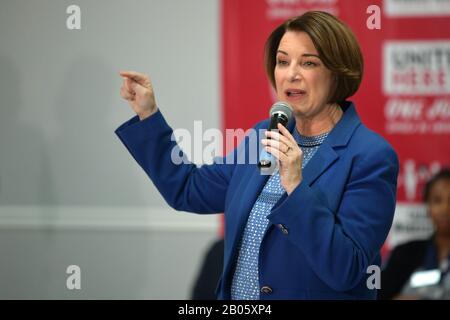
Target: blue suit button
[
  {"x": 266, "y": 290},
  {"x": 283, "y": 229}
]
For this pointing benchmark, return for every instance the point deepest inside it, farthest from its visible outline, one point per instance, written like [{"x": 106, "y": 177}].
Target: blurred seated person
[
  {"x": 420, "y": 269},
  {"x": 209, "y": 273}
]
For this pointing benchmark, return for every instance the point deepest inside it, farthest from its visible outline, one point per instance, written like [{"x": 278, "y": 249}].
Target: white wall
[{"x": 67, "y": 185}]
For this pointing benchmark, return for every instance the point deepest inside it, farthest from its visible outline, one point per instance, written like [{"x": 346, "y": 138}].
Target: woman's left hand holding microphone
[{"x": 282, "y": 145}]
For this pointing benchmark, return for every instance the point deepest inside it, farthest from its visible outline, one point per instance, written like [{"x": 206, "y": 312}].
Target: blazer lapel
[
  {"x": 248, "y": 196},
  {"x": 242, "y": 205},
  {"x": 339, "y": 137},
  {"x": 322, "y": 160},
  {"x": 256, "y": 182}
]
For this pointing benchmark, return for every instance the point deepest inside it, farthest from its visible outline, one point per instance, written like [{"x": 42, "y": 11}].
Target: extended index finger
[{"x": 136, "y": 76}]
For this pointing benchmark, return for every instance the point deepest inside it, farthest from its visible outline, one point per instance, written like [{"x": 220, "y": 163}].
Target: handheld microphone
[{"x": 281, "y": 112}]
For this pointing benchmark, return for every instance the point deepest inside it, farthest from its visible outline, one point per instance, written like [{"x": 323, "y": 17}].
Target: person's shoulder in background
[
  {"x": 209, "y": 273},
  {"x": 400, "y": 264}
]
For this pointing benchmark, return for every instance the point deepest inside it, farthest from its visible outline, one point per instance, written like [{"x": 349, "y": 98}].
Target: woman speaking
[{"x": 312, "y": 229}]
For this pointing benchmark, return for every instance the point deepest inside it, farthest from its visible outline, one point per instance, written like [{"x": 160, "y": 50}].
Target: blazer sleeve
[
  {"x": 184, "y": 186},
  {"x": 340, "y": 245}
]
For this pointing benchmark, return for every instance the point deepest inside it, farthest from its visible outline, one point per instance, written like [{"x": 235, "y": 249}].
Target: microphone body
[{"x": 281, "y": 112}]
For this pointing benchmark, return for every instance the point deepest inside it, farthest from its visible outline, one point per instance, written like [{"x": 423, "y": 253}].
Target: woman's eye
[
  {"x": 309, "y": 64},
  {"x": 282, "y": 62}
]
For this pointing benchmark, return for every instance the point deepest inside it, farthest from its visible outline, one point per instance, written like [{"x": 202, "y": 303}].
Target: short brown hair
[{"x": 337, "y": 47}]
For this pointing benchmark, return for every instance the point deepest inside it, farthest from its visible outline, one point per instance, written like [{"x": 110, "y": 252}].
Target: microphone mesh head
[{"x": 281, "y": 107}]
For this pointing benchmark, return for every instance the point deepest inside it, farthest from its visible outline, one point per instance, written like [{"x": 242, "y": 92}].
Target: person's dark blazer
[
  {"x": 321, "y": 239},
  {"x": 402, "y": 262}
]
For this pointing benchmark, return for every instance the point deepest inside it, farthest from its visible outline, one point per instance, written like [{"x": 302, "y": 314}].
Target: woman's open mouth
[{"x": 295, "y": 94}]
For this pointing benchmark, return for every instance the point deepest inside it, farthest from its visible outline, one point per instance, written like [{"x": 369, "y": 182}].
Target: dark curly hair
[{"x": 443, "y": 174}]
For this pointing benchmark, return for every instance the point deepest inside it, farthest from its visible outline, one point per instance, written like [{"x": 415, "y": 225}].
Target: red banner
[{"x": 404, "y": 95}]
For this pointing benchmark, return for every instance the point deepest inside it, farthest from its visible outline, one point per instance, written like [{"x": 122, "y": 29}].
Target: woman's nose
[{"x": 294, "y": 73}]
